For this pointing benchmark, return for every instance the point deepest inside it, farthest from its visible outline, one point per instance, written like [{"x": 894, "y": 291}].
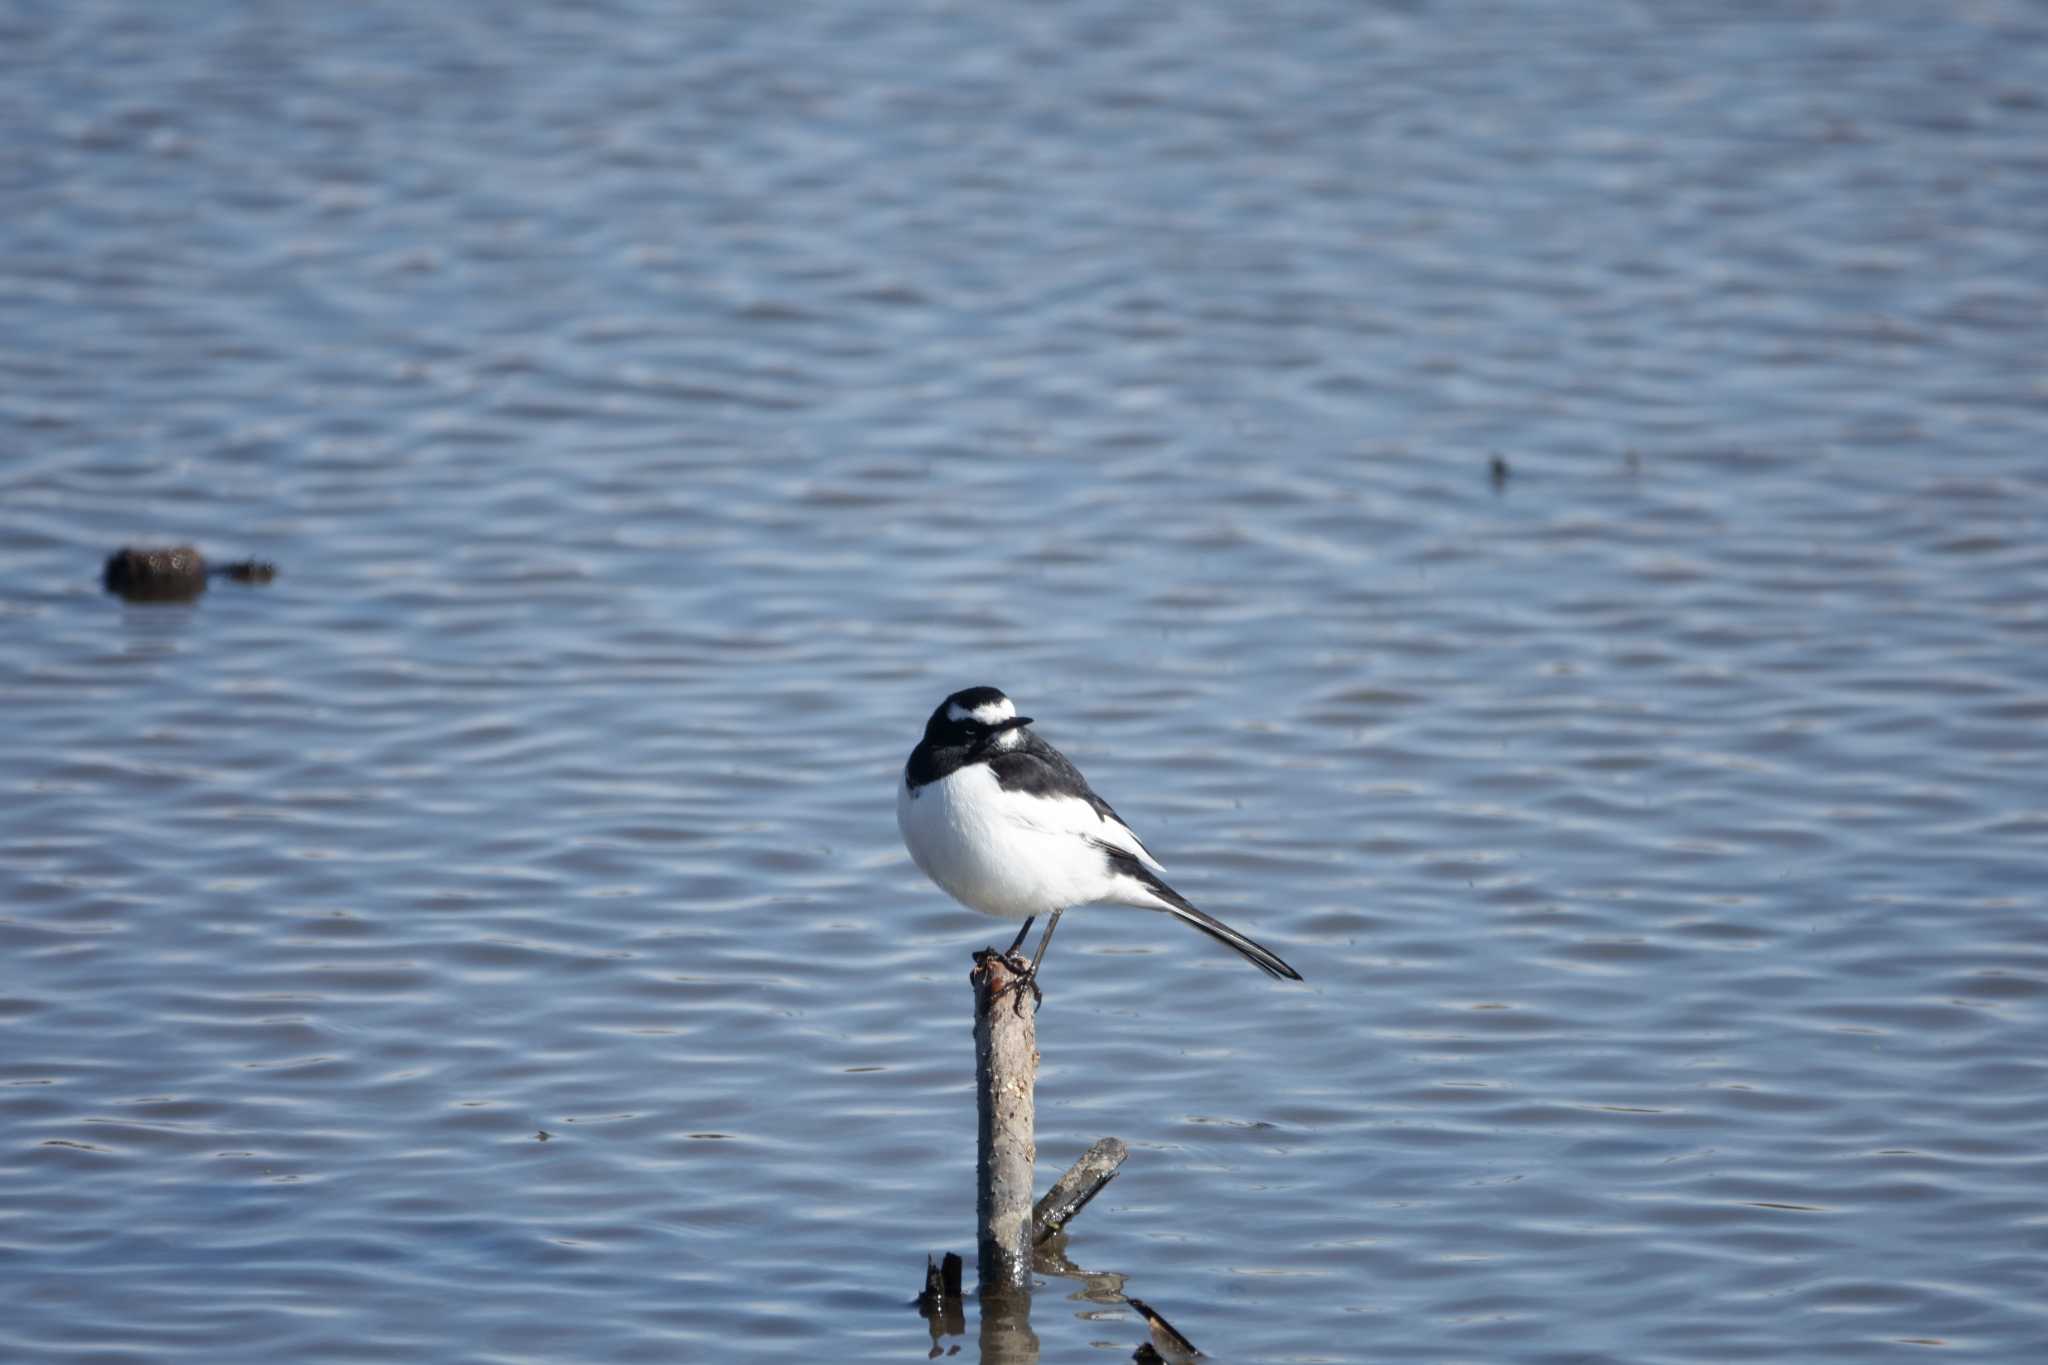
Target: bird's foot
[
  {"x": 1018, "y": 985},
  {"x": 1021, "y": 977}
]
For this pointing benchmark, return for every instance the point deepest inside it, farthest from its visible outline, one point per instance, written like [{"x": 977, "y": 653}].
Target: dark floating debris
[
  {"x": 176, "y": 573},
  {"x": 156, "y": 575},
  {"x": 1497, "y": 469},
  {"x": 247, "y": 570},
  {"x": 1166, "y": 1343},
  {"x": 941, "y": 1282},
  {"x": 942, "y": 1305}
]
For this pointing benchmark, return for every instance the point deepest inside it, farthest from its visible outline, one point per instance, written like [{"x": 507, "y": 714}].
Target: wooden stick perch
[{"x": 1005, "y": 1074}]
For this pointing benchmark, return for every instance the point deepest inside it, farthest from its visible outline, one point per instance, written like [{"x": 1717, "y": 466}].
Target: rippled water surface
[{"x": 654, "y": 410}]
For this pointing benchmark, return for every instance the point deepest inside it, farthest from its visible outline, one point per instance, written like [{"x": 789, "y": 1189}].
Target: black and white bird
[{"x": 1007, "y": 826}]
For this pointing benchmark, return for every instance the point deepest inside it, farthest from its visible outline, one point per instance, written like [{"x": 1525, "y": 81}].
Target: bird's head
[{"x": 975, "y": 718}]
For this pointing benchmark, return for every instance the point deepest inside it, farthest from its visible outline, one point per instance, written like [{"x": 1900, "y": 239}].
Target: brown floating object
[{"x": 176, "y": 573}]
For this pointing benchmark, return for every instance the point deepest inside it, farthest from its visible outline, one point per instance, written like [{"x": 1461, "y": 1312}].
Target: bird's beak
[{"x": 994, "y": 738}]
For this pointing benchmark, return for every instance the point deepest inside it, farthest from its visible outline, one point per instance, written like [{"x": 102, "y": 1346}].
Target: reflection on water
[
  {"x": 651, "y": 411},
  {"x": 1002, "y": 1324}
]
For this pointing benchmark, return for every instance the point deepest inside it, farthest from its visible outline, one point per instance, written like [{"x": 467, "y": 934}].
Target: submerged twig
[
  {"x": 1167, "y": 1343},
  {"x": 1072, "y": 1191}
]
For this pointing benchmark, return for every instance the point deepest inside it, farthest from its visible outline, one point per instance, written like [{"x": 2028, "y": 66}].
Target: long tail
[
  {"x": 1264, "y": 958},
  {"x": 1175, "y": 904}
]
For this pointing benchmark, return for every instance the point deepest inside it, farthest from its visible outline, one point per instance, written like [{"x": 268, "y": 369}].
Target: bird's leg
[
  {"x": 1050, "y": 925},
  {"x": 1018, "y": 942},
  {"x": 1030, "y": 977}
]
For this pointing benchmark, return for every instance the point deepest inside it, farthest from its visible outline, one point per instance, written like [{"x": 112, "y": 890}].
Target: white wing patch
[
  {"x": 1070, "y": 815},
  {"x": 1126, "y": 838}
]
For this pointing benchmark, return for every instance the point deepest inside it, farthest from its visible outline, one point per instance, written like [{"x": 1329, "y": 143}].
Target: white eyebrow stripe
[{"x": 988, "y": 713}]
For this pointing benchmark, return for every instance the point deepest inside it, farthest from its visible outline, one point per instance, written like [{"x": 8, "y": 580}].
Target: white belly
[{"x": 982, "y": 846}]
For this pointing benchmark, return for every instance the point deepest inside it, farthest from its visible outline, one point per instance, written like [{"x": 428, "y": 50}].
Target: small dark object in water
[
  {"x": 174, "y": 574},
  {"x": 940, "y": 1305},
  {"x": 247, "y": 571},
  {"x": 1498, "y": 468},
  {"x": 171, "y": 575},
  {"x": 1166, "y": 1342},
  {"x": 941, "y": 1284}
]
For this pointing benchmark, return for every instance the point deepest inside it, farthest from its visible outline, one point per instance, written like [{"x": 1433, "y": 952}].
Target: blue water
[{"x": 654, "y": 411}]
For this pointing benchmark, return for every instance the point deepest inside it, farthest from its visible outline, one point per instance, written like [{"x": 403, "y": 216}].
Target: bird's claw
[
  {"x": 1014, "y": 988},
  {"x": 1021, "y": 976}
]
